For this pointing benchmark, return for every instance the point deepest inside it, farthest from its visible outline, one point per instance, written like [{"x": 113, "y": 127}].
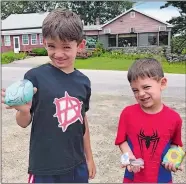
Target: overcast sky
[{"x": 153, "y": 9}]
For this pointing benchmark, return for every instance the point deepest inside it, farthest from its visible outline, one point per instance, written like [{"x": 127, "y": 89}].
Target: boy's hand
[
  {"x": 91, "y": 168},
  {"x": 171, "y": 167},
  {"x": 131, "y": 168},
  {"x": 23, "y": 108}
]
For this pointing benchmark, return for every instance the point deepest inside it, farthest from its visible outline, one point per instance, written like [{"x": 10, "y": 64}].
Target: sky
[{"x": 153, "y": 9}]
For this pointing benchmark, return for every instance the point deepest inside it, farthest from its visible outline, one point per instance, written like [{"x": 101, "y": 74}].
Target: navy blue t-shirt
[{"x": 58, "y": 110}]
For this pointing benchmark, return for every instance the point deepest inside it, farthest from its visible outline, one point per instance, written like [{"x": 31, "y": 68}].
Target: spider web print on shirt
[
  {"x": 147, "y": 140},
  {"x": 68, "y": 111}
]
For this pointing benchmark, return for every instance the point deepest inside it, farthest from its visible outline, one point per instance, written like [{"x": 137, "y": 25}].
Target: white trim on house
[
  {"x": 25, "y": 39},
  {"x": 16, "y": 49},
  {"x": 21, "y": 31},
  {"x": 133, "y": 9},
  {"x": 40, "y": 39},
  {"x": 34, "y": 39},
  {"x": 7, "y": 42}
]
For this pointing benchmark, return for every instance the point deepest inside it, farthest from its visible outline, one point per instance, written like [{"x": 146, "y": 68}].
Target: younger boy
[
  {"x": 148, "y": 129},
  {"x": 60, "y": 150}
]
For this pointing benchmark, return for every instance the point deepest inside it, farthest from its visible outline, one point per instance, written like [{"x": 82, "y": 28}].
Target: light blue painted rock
[{"x": 19, "y": 93}]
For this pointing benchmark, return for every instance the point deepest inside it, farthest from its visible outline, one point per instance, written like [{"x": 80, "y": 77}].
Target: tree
[
  {"x": 12, "y": 7},
  {"x": 179, "y": 29},
  {"x": 88, "y": 10},
  {"x": 104, "y": 10},
  {"x": 178, "y": 22}
]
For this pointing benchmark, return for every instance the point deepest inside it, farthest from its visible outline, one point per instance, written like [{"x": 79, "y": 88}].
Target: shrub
[
  {"x": 40, "y": 51},
  {"x": 184, "y": 51},
  {"x": 8, "y": 57},
  {"x": 83, "y": 54}
]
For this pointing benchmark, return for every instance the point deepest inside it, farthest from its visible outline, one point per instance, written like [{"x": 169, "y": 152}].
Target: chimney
[{"x": 97, "y": 21}]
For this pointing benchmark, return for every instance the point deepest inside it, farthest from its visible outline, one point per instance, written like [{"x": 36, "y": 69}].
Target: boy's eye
[
  {"x": 146, "y": 87},
  {"x": 135, "y": 91},
  {"x": 51, "y": 46},
  {"x": 67, "y": 47}
]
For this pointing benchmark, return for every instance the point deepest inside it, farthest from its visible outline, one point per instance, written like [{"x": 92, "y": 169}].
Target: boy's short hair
[
  {"x": 148, "y": 67},
  {"x": 63, "y": 24}
]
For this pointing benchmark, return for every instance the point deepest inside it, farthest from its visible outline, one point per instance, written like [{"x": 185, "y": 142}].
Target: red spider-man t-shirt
[{"x": 149, "y": 137}]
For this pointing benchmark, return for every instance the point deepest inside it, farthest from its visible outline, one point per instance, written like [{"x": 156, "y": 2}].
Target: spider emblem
[{"x": 148, "y": 140}]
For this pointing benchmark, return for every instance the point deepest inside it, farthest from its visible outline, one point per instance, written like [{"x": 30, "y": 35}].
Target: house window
[
  {"x": 132, "y": 14},
  {"x": 112, "y": 40},
  {"x": 7, "y": 41},
  {"x": 25, "y": 40},
  {"x": 41, "y": 39},
  {"x": 163, "y": 38},
  {"x": 91, "y": 41},
  {"x": 34, "y": 39},
  {"x": 127, "y": 40},
  {"x": 152, "y": 39}
]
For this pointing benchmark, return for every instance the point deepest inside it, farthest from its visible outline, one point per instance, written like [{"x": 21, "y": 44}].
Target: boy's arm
[
  {"x": 23, "y": 118},
  {"x": 124, "y": 147},
  {"x": 88, "y": 151},
  {"x": 86, "y": 140}
]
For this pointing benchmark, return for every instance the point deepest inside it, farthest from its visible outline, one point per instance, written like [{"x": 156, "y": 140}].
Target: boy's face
[
  {"x": 62, "y": 54},
  {"x": 147, "y": 92}
]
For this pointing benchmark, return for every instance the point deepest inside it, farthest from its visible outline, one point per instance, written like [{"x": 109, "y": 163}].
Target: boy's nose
[
  {"x": 141, "y": 93},
  {"x": 59, "y": 54}
]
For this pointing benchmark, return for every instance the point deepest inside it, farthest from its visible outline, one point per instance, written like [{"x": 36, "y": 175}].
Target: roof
[
  {"x": 35, "y": 20},
  {"x": 133, "y": 9},
  {"x": 20, "y": 21}
]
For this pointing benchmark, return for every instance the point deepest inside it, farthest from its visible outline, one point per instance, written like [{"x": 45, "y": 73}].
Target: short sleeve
[
  {"x": 121, "y": 132},
  {"x": 31, "y": 77},
  {"x": 176, "y": 138},
  {"x": 87, "y": 100}
]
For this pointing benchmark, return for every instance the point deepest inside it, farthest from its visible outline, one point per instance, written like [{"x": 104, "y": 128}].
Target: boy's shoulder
[
  {"x": 130, "y": 109},
  {"x": 171, "y": 113},
  {"x": 37, "y": 69}
]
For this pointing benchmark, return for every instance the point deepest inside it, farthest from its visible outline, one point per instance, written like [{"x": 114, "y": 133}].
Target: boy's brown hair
[
  {"x": 63, "y": 24},
  {"x": 148, "y": 67}
]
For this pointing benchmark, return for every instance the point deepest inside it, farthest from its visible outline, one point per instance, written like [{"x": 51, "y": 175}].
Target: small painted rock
[
  {"x": 19, "y": 93},
  {"x": 174, "y": 155},
  {"x": 125, "y": 159},
  {"x": 137, "y": 162}
]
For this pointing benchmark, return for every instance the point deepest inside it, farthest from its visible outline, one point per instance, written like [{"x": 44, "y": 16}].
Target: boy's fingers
[
  {"x": 3, "y": 93},
  {"x": 129, "y": 168},
  {"x": 9, "y": 107},
  {"x": 35, "y": 90},
  {"x": 3, "y": 89}
]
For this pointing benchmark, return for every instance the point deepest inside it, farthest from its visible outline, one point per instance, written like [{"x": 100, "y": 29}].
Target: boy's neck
[
  {"x": 65, "y": 70},
  {"x": 154, "y": 109}
]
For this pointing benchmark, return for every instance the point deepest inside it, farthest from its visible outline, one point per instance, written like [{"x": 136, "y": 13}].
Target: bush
[
  {"x": 8, "y": 57},
  {"x": 40, "y": 51},
  {"x": 83, "y": 54},
  {"x": 184, "y": 51},
  {"x": 178, "y": 44},
  {"x": 99, "y": 49}
]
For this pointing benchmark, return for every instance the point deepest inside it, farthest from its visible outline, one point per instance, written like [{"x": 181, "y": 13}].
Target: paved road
[{"x": 105, "y": 81}]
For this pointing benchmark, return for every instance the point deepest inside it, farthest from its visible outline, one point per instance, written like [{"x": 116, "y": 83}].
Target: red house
[{"x": 22, "y": 32}]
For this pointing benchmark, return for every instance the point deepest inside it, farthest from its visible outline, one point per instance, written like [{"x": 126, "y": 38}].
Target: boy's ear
[
  {"x": 163, "y": 83},
  {"x": 81, "y": 46},
  {"x": 44, "y": 43}
]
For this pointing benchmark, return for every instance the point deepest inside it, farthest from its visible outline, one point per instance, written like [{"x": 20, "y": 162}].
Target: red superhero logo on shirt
[{"x": 68, "y": 111}]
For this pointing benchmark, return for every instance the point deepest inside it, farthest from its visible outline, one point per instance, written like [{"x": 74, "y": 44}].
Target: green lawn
[{"x": 104, "y": 63}]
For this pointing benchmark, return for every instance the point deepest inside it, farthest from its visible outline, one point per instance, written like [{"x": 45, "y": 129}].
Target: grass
[
  {"x": 8, "y": 57},
  {"x": 106, "y": 63}
]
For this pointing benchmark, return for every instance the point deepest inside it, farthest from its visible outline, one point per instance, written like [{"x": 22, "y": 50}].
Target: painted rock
[
  {"x": 19, "y": 93},
  {"x": 174, "y": 155}
]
